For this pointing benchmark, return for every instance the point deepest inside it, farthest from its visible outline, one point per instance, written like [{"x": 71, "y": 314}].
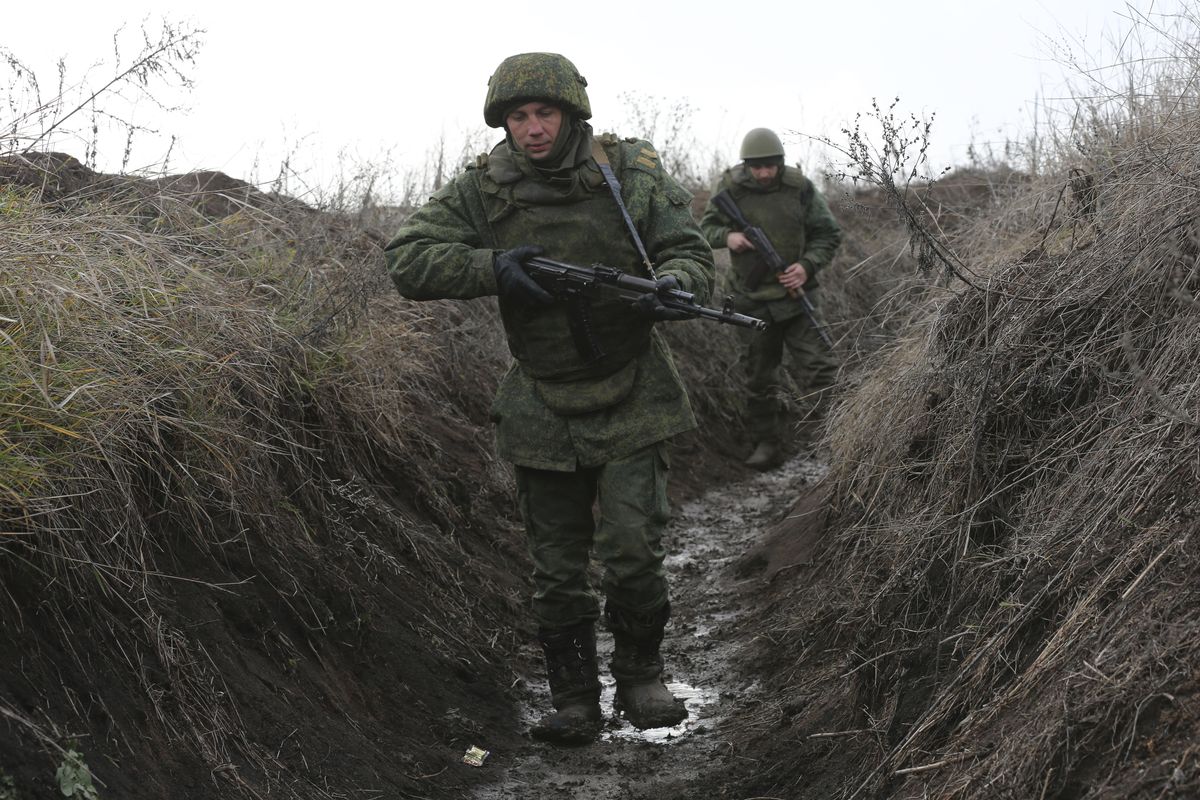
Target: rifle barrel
[{"x": 573, "y": 278}]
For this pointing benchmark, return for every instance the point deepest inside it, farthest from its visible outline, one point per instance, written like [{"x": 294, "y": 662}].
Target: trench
[{"x": 712, "y": 619}]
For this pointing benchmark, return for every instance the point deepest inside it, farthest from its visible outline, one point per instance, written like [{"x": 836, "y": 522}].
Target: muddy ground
[
  {"x": 715, "y": 590},
  {"x": 346, "y": 621},
  {"x": 359, "y": 644}
]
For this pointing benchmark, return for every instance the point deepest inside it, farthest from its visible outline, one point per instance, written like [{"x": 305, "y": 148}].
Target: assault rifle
[
  {"x": 770, "y": 256},
  {"x": 571, "y": 280}
]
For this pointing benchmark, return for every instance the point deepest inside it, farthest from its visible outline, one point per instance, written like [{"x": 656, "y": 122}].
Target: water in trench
[{"x": 710, "y": 606}]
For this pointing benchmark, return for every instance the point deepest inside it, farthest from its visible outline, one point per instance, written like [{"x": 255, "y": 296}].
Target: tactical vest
[
  {"x": 570, "y": 339},
  {"x": 780, "y": 211}
]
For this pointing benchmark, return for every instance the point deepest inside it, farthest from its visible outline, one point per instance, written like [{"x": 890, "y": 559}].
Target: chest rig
[
  {"x": 780, "y": 211},
  {"x": 576, "y": 338}
]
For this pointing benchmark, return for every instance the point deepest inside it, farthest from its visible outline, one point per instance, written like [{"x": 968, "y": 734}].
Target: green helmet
[
  {"x": 535, "y": 76},
  {"x": 761, "y": 143}
]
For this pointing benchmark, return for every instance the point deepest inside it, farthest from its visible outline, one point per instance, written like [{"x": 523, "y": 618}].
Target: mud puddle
[{"x": 710, "y": 605}]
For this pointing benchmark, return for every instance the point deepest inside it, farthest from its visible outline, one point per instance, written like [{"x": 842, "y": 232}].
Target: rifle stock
[
  {"x": 564, "y": 280},
  {"x": 770, "y": 256}
]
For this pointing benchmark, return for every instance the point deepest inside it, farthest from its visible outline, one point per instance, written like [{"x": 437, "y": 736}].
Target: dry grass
[
  {"x": 255, "y": 489},
  {"x": 1009, "y": 598},
  {"x": 206, "y": 411}
]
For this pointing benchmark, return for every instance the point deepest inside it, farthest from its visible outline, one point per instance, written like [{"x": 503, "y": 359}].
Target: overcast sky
[{"x": 378, "y": 80}]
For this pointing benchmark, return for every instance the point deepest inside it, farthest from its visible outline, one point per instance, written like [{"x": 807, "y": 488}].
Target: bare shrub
[
  {"x": 667, "y": 123},
  {"x": 78, "y": 109}
]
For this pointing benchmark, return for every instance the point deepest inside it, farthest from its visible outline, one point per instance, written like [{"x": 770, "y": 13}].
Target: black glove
[
  {"x": 513, "y": 282},
  {"x": 651, "y": 305}
]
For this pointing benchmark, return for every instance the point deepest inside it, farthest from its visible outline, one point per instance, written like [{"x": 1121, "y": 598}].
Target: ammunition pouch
[{"x": 583, "y": 396}]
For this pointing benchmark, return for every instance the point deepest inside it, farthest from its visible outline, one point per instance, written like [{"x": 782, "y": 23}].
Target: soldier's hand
[
  {"x": 651, "y": 304},
  {"x": 513, "y": 282},
  {"x": 794, "y": 277},
  {"x": 737, "y": 242}
]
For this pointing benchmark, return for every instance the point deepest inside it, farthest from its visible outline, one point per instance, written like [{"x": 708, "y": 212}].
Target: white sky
[{"x": 390, "y": 80}]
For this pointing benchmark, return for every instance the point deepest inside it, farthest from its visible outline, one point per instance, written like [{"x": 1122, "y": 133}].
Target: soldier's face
[
  {"x": 534, "y": 127},
  {"x": 764, "y": 174}
]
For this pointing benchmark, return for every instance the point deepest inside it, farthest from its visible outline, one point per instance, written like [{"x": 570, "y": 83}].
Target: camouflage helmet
[
  {"x": 761, "y": 143},
  {"x": 535, "y": 76}
]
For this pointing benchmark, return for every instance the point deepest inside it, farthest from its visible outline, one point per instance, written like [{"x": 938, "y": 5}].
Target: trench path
[{"x": 709, "y": 603}]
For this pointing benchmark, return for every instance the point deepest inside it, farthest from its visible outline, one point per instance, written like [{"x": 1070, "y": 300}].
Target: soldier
[
  {"x": 585, "y": 411},
  {"x": 795, "y": 217}
]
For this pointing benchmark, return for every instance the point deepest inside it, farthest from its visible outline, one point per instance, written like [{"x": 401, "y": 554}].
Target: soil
[
  {"x": 391, "y": 707},
  {"x": 364, "y": 659},
  {"x": 719, "y": 555},
  {"x": 362, "y": 649}
]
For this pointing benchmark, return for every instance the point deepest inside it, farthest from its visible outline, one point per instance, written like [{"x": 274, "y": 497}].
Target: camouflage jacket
[
  {"x": 555, "y": 410},
  {"x": 794, "y": 215}
]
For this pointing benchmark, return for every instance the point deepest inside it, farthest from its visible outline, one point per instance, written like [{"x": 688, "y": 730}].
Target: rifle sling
[{"x": 614, "y": 186}]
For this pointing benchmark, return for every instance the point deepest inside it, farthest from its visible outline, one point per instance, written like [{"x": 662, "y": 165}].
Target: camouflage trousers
[
  {"x": 618, "y": 512},
  {"x": 811, "y": 365}
]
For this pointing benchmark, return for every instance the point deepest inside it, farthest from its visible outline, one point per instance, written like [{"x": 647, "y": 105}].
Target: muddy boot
[
  {"x": 766, "y": 455},
  {"x": 574, "y": 686},
  {"x": 637, "y": 667}
]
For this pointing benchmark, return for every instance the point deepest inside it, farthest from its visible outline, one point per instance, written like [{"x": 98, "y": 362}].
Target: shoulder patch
[
  {"x": 640, "y": 154},
  {"x": 647, "y": 158}
]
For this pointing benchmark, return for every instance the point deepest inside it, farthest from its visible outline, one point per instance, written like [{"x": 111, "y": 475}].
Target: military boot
[
  {"x": 637, "y": 667},
  {"x": 574, "y": 686},
  {"x": 766, "y": 455}
]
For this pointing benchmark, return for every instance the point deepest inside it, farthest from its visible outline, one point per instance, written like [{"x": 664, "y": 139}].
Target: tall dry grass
[
  {"x": 228, "y": 411},
  {"x": 1008, "y": 601}
]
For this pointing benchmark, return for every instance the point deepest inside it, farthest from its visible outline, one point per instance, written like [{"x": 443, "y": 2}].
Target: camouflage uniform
[
  {"x": 797, "y": 220},
  {"x": 578, "y": 428},
  {"x": 554, "y": 411}
]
